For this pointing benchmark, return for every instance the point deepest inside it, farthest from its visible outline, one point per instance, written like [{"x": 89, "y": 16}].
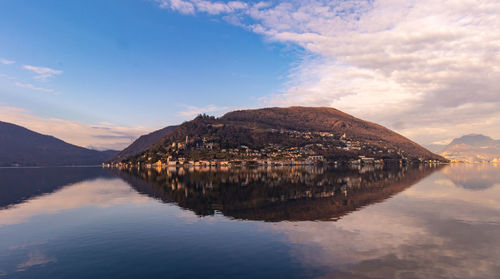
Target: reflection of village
[
  {"x": 321, "y": 148},
  {"x": 274, "y": 193}
]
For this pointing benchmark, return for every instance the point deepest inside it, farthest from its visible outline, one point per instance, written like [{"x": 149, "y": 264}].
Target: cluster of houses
[
  {"x": 311, "y": 160},
  {"x": 195, "y": 153}
]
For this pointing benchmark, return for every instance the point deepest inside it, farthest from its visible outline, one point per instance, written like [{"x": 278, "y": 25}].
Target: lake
[{"x": 303, "y": 222}]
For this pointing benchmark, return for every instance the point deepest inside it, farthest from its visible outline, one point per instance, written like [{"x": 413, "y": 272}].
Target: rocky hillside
[{"x": 283, "y": 134}]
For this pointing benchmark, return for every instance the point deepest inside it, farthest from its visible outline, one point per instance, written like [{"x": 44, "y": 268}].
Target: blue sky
[
  {"x": 132, "y": 63},
  {"x": 101, "y": 73}
]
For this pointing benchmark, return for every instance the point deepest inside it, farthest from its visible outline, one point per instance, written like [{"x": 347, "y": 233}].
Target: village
[{"x": 321, "y": 148}]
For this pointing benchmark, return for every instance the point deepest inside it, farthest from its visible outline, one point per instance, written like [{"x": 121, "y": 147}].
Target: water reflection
[
  {"x": 96, "y": 192},
  {"x": 474, "y": 176},
  {"x": 21, "y": 184},
  {"x": 435, "y": 229},
  {"x": 274, "y": 193},
  {"x": 392, "y": 223}
]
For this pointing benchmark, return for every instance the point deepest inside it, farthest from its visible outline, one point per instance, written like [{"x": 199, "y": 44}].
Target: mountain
[
  {"x": 475, "y": 140},
  {"x": 22, "y": 147},
  {"x": 142, "y": 143},
  {"x": 294, "y": 133},
  {"x": 473, "y": 148}
]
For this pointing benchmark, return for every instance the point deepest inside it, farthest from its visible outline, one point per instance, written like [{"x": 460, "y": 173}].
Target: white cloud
[
  {"x": 26, "y": 85},
  {"x": 181, "y": 6},
  {"x": 6, "y": 61},
  {"x": 43, "y": 73},
  {"x": 218, "y": 7},
  {"x": 100, "y": 136},
  {"x": 7, "y": 77},
  {"x": 420, "y": 67},
  {"x": 31, "y": 86},
  {"x": 213, "y": 8},
  {"x": 193, "y": 111}
]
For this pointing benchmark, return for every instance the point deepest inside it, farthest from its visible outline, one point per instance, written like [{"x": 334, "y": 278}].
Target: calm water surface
[{"x": 427, "y": 222}]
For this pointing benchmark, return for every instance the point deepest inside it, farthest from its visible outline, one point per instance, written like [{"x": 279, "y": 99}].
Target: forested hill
[
  {"x": 283, "y": 133},
  {"x": 142, "y": 143}
]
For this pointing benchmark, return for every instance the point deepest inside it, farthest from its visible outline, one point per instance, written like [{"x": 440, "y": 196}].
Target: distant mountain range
[
  {"x": 473, "y": 148},
  {"x": 22, "y": 147},
  {"x": 281, "y": 132}
]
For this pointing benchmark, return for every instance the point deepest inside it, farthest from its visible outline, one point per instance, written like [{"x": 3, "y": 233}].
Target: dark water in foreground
[{"x": 432, "y": 222}]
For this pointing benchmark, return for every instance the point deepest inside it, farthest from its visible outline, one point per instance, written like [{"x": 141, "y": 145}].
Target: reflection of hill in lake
[
  {"x": 274, "y": 194},
  {"x": 473, "y": 176},
  {"x": 20, "y": 184}
]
